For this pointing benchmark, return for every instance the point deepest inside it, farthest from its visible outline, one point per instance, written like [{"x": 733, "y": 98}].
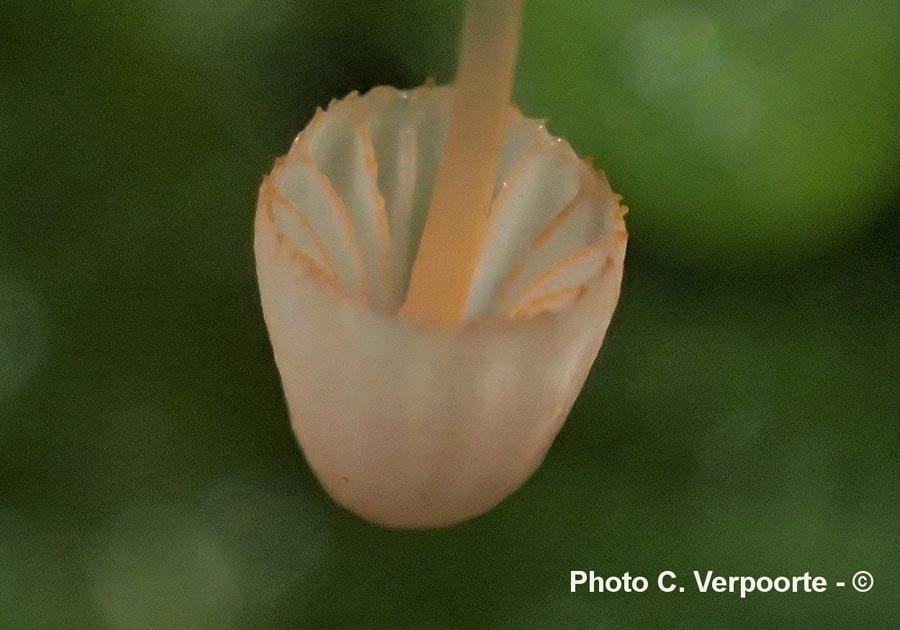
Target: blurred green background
[{"x": 742, "y": 417}]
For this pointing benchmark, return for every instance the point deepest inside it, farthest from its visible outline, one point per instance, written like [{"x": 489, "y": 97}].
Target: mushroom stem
[{"x": 457, "y": 220}]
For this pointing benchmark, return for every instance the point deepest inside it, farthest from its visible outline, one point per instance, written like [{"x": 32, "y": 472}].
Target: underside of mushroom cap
[
  {"x": 351, "y": 196},
  {"x": 412, "y": 425}
]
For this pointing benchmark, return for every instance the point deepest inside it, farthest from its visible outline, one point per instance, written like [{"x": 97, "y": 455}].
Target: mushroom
[{"x": 437, "y": 273}]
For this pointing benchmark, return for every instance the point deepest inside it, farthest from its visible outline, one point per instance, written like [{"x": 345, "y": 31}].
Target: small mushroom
[{"x": 437, "y": 274}]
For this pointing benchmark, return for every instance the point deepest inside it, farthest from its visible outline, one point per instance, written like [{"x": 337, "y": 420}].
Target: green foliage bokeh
[{"x": 742, "y": 416}]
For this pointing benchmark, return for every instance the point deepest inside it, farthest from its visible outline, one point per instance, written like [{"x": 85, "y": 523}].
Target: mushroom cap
[{"x": 407, "y": 423}]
